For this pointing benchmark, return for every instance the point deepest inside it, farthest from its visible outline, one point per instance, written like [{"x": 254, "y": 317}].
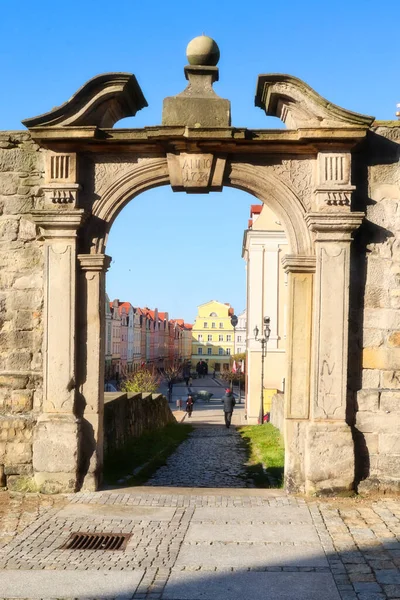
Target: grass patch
[
  {"x": 142, "y": 456},
  {"x": 266, "y": 454}
]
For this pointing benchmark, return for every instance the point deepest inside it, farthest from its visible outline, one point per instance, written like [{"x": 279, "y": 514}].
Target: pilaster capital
[
  {"x": 292, "y": 263},
  {"x": 59, "y": 224},
  {"x": 334, "y": 226},
  {"x": 94, "y": 262}
]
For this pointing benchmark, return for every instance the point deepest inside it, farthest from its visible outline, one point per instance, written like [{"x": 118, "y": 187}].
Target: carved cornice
[
  {"x": 58, "y": 224},
  {"x": 100, "y": 102},
  {"x": 332, "y": 226},
  {"x": 293, "y": 263},
  {"x": 298, "y": 105},
  {"x": 94, "y": 262}
]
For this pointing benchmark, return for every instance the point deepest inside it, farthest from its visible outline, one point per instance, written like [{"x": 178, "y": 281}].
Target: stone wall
[
  {"x": 21, "y": 301},
  {"x": 277, "y": 411},
  {"x": 375, "y": 315},
  {"x": 127, "y": 416}
]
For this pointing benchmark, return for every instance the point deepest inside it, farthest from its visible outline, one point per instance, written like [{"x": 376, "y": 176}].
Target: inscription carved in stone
[{"x": 196, "y": 172}]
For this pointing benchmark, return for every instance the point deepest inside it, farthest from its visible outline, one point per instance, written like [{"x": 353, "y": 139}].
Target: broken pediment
[
  {"x": 101, "y": 102},
  {"x": 299, "y": 106}
]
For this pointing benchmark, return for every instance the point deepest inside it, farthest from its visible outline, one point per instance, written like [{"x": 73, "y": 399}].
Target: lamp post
[
  {"x": 234, "y": 322},
  {"x": 263, "y": 340}
]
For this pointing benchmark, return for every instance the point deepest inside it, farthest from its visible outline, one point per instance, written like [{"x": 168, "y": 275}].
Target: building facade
[
  {"x": 264, "y": 246},
  {"x": 213, "y": 335}
]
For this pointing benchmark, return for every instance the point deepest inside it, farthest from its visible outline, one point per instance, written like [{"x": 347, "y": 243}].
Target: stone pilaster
[
  {"x": 330, "y": 458},
  {"x": 300, "y": 270},
  {"x": 91, "y": 311},
  {"x": 55, "y": 446}
]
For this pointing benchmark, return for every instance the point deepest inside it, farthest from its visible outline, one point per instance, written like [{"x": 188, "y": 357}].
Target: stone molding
[
  {"x": 299, "y": 264},
  {"x": 334, "y": 227},
  {"x": 57, "y": 224},
  {"x": 100, "y": 102},
  {"x": 299, "y": 106},
  {"x": 94, "y": 262}
]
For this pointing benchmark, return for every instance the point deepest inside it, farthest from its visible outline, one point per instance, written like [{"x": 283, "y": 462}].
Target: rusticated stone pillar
[
  {"x": 330, "y": 453},
  {"x": 55, "y": 445},
  {"x": 300, "y": 271},
  {"x": 91, "y": 309}
]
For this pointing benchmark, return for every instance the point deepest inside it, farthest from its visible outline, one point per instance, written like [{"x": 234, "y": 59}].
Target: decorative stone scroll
[
  {"x": 333, "y": 190},
  {"x": 196, "y": 173},
  {"x": 61, "y": 187}
]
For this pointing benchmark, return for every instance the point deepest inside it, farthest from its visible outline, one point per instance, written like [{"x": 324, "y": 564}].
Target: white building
[{"x": 264, "y": 245}]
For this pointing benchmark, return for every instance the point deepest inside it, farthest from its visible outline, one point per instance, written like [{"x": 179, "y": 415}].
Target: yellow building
[{"x": 213, "y": 335}]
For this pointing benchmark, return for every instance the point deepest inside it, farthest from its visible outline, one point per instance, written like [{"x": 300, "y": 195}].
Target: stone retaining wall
[{"x": 127, "y": 416}]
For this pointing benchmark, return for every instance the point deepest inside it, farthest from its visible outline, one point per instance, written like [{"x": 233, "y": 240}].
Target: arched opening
[{"x": 278, "y": 198}]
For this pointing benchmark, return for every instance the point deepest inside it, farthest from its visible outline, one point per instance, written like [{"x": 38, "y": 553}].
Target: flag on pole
[{"x": 234, "y": 367}]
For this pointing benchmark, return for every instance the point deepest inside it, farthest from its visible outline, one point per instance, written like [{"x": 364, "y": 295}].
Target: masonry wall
[
  {"x": 375, "y": 314},
  {"x": 127, "y": 416},
  {"x": 21, "y": 302}
]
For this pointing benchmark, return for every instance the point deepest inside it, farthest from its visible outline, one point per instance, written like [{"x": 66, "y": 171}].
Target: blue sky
[{"x": 170, "y": 250}]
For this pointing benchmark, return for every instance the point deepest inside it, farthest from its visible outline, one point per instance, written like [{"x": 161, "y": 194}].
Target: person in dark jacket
[{"x": 229, "y": 403}]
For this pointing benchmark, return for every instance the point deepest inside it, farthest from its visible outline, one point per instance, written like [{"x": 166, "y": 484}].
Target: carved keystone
[{"x": 196, "y": 173}]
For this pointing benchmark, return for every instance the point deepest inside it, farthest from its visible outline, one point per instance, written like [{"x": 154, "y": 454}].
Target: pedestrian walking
[
  {"x": 189, "y": 406},
  {"x": 229, "y": 403}
]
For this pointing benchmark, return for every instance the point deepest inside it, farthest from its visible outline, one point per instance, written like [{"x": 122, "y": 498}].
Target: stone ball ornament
[{"x": 203, "y": 51}]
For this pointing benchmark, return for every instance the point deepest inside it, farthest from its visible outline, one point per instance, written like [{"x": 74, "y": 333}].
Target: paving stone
[
  {"x": 184, "y": 585},
  {"x": 285, "y": 533}
]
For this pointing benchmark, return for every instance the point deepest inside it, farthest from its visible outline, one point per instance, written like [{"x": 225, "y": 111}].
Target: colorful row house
[{"x": 140, "y": 337}]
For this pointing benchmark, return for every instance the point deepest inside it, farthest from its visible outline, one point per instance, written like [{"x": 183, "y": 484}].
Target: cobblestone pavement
[
  {"x": 212, "y": 456},
  {"x": 192, "y": 544}
]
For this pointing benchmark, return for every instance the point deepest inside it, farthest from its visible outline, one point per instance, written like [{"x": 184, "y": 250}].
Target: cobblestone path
[{"x": 212, "y": 456}]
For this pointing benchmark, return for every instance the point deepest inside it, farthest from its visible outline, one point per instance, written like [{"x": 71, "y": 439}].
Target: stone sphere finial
[{"x": 203, "y": 51}]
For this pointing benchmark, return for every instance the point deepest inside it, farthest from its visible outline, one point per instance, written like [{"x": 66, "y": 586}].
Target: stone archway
[{"x": 92, "y": 171}]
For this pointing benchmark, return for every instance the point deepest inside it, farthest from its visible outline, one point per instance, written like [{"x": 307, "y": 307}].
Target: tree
[{"x": 141, "y": 382}]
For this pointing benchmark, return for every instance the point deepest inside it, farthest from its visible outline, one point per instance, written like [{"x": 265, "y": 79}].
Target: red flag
[{"x": 234, "y": 367}]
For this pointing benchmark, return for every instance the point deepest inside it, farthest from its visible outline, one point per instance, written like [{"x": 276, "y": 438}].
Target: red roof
[{"x": 255, "y": 209}]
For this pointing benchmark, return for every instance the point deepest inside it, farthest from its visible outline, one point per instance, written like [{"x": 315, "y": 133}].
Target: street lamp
[
  {"x": 234, "y": 322},
  {"x": 264, "y": 340}
]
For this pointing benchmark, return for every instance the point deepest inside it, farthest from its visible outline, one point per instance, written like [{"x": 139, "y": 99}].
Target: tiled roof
[{"x": 255, "y": 209}]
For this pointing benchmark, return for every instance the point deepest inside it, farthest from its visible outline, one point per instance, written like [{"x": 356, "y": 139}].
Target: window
[
  {"x": 199, "y": 350},
  {"x": 213, "y": 314},
  {"x": 213, "y": 325},
  {"x": 239, "y": 338},
  {"x": 200, "y": 337},
  {"x": 239, "y": 350},
  {"x": 220, "y": 351},
  {"x": 220, "y": 338},
  {"x": 221, "y": 325},
  {"x": 209, "y": 338},
  {"x": 228, "y": 351},
  {"x": 228, "y": 338},
  {"x": 205, "y": 325},
  {"x": 209, "y": 350}
]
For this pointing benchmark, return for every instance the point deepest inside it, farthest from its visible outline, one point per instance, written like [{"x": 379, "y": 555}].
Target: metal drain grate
[{"x": 96, "y": 541}]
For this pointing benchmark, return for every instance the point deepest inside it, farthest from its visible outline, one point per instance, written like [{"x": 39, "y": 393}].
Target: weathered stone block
[
  {"x": 9, "y": 229},
  {"x": 27, "y": 230},
  {"x": 372, "y": 337},
  {"x": 16, "y": 159},
  {"x": 9, "y": 184},
  {"x": 26, "y": 320},
  {"x": 370, "y": 378},
  {"x": 55, "y": 444},
  {"x": 18, "y": 469},
  {"x": 390, "y": 379},
  {"x": 17, "y": 205},
  {"x": 389, "y": 465},
  {"x": 18, "y": 452},
  {"x": 389, "y": 443},
  {"x": 14, "y": 382},
  {"x": 31, "y": 281},
  {"x": 329, "y": 458},
  {"x": 369, "y": 422},
  {"x": 368, "y": 400},
  {"x": 390, "y": 402},
  {"x": 372, "y": 442},
  {"x": 21, "y": 401},
  {"x": 28, "y": 299},
  {"x": 381, "y": 358},
  {"x": 376, "y": 297},
  {"x": 394, "y": 339},
  {"x": 381, "y": 318}
]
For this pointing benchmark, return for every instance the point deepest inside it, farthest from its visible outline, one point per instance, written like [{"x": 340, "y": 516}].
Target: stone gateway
[{"x": 332, "y": 177}]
